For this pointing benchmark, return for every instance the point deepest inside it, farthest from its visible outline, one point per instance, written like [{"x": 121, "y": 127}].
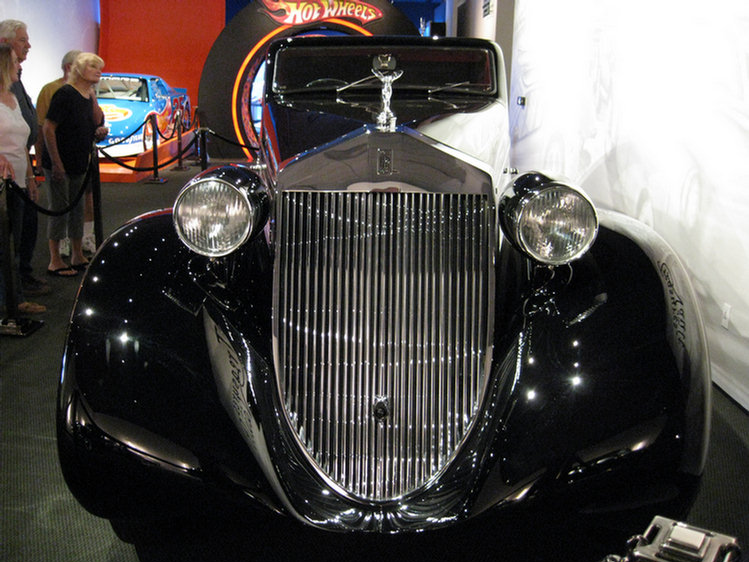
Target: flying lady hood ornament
[{"x": 383, "y": 67}]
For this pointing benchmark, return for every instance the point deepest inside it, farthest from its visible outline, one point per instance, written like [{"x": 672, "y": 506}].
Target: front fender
[
  {"x": 684, "y": 332},
  {"x": 606, "y": 377},
  {"x": 138, "y": 409}
]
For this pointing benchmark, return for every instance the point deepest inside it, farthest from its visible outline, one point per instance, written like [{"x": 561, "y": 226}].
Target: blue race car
[{"x": 128, "y": 100}]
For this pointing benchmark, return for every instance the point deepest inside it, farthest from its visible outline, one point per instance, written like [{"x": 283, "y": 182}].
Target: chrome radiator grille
[{"x": 382, "y": 329}]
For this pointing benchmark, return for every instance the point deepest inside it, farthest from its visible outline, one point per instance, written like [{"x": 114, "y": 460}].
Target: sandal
[
  {"x": 28, "y": 307},
  {"x": 62, "y": 272},
  {"x": 79, "y": 266}
]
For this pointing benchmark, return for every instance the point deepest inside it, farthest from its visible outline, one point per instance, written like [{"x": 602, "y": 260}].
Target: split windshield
[{"x": 467, "y": 70}]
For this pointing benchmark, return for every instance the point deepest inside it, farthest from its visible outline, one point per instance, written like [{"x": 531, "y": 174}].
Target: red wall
[{"x": 168, "y": 38}]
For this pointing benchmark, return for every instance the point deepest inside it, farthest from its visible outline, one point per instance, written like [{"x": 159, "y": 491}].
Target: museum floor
[{"x": 40, "y": 521}]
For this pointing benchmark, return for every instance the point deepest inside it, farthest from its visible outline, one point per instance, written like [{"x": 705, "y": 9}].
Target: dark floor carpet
[{"x": 40, "y": 521}]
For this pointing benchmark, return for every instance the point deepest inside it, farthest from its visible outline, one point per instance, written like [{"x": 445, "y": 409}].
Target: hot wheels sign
[{"x": 310, "y": 11}]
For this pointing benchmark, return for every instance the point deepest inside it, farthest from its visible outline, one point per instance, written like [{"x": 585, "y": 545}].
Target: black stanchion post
[
  {"x": 11, "y": 324},
  {"x": 195, "y": 126},
  {"x": 180, "y": 165},
  {"x": 95, "y": 180},
  {"x": 8, "y": 257},
  {"x": 203, "y": 152},
  {"x": 155, "y": 135}
]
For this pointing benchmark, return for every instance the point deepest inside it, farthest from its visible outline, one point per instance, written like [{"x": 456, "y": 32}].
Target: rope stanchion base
[
  {"x": 155, "y": 179},
  {"x": 19, "y": 327}
]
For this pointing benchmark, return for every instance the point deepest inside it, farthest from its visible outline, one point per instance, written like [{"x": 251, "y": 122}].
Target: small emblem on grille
[
  {"x": 381, "y": 408},
  {"x": 384, "y": 162}
]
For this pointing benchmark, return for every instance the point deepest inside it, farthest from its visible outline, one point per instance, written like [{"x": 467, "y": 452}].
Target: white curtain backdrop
[
  {"x": 646, "y": 105},
  {"x": 55, "y": 27}
]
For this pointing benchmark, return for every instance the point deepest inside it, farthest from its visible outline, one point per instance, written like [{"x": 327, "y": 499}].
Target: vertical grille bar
[{"x": 382, "y": 297}]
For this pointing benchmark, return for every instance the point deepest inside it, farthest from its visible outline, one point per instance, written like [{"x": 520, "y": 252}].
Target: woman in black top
[{"x": 69, "y": 132}]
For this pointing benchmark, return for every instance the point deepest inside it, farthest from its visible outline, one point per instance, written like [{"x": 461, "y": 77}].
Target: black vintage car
[{"x": 377, "y": 325}]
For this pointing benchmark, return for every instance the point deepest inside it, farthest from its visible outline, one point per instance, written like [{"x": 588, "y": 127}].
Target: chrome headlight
[
  {"x": 220, "y": 210},
  {"x": 551, "y": 221}
]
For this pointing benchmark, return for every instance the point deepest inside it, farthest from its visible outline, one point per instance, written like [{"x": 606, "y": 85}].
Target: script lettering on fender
[
  {"x": 676, "y": 304},
  {"x": 231, "y": 371},
  {"x": 231, "y": 379},
  {"x": 288, "y": 12}
]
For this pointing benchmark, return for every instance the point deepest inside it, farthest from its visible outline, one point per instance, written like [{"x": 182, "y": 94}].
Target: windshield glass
[
  {"x": 122, "y": 88},
  {"x": 436, "y": 69}
]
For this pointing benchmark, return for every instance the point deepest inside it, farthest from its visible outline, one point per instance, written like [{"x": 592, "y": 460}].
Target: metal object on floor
[
  {"x": 673, "y": 541},
  {"x": 20, "y": 327}
]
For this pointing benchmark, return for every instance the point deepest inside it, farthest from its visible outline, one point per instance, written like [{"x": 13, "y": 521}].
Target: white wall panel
[
  {"x": 646, "y": 104},
  {"x": 55, "y": 27}
]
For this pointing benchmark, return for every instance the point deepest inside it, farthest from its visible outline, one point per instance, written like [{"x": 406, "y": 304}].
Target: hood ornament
[{"x": 383, "y": 67}]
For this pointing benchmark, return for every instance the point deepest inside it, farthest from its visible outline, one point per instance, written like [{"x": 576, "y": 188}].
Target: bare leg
[
  {"x": 76, "y": 252},
  {"x": 55, "y": 260}
]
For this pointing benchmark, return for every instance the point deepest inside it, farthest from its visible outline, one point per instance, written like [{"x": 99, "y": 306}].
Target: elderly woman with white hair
[{"x": 69, "y": 131}]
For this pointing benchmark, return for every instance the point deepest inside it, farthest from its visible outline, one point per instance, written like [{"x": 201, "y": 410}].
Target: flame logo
[
  {"x": 303, "y": 12},
  {"x": 112, "y": 113}
]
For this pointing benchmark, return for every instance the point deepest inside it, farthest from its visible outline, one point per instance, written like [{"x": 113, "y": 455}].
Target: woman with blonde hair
[
  {"x": 14, "y": 158},
  {"x": 69, "y": 131}
]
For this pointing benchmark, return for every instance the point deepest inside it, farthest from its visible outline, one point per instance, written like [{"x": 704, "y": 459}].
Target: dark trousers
[{"x": 24, "y": 225}]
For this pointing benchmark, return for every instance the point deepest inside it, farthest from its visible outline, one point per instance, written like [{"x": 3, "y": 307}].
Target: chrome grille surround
[{"x": 382, "y": 330}]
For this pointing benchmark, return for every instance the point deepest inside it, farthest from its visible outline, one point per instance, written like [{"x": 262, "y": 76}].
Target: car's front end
[{"x": 366, "y": 330}]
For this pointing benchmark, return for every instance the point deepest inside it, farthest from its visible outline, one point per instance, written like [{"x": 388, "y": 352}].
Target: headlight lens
[
  {"x": 213, "y": 217},
  {"x": 552, "y": 222}
]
